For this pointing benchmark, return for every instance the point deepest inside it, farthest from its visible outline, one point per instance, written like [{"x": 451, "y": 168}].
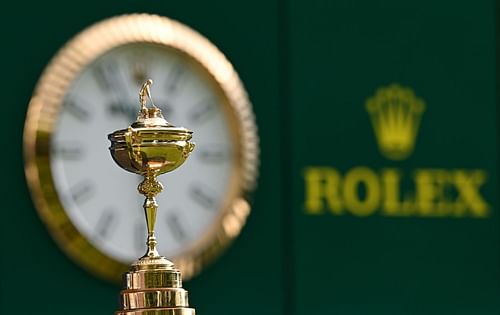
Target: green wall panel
[{"x": 371, "y": 261}]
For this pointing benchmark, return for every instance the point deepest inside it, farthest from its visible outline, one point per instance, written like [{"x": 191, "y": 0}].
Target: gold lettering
[
  {"x": 443, "y": 183},
  {"x": 391, "y": 179},
  {"x": 322, "y": 184},
  {"x": 363, "y": 192},
  {"x": 369, "y": 179},
  {"x": 469, "y": 197},
  {"x": 430, "y": 196},
  {"x": 425, "y": 194}
]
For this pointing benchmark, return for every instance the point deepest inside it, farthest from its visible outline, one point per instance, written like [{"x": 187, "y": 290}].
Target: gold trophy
[{"x": 150, "y": 147}]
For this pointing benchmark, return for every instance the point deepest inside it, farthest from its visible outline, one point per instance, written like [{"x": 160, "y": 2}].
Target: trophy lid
[{"x": 151, "y": 118}]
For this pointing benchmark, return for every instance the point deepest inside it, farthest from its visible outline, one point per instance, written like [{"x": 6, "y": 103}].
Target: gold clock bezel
[{"x": 46, "y": 103}]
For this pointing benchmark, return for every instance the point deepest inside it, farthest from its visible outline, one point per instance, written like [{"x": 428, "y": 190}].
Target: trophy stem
[{"x": 150, "y": 187}]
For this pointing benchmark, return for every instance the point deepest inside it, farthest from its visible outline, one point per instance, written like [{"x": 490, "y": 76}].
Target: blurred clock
[{"x": 90, "y": 89}]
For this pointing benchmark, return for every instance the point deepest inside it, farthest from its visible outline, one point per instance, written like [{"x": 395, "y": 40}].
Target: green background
[{"x": 308, "y": 67}]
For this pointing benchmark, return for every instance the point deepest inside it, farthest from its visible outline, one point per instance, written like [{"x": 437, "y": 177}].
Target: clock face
[
  {"x": 100, "y": 198},
  {"x": 90, "y": 89}
]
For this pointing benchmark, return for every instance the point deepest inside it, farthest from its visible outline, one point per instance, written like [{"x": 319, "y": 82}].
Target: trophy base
[
  {"x": 159, "y": 311},
  {"x": 153, "y": 286}
]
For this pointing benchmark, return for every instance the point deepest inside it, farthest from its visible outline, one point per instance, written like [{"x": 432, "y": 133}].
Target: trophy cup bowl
[{"x": 159, "y": 149}]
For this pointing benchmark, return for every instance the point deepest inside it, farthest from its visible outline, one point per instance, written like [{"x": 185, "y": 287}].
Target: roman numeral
[
  {"x": 106, "y": 222},
  {"x": 203, "y": 196},
  {"x": 111, "y": 81},
  {"x": 175, "y": 227},
  {"x": 203, "y": 111},
  {"x": 121, "y": 108},
  {"x": 77, "y": 109},
  {"x": 82, "y": 191},
  {"x": 68, "y": 151},
  {"x": 174, "y": 77},
  {"x": 212, "y": 154},
  {"x": 106, "y": 75}
]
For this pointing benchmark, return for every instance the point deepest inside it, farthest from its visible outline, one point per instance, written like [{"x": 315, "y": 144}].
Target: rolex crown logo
[{"x": 395, "y": 113}]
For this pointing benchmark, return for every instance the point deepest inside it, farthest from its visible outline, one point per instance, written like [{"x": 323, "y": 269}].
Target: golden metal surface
[
  {"x": 151, "y": 147},
  {"x": 154, "y": 285},
  {"x": 45, "y": 107}
]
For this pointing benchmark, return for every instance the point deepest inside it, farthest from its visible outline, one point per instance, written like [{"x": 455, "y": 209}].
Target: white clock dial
[{"x": 100, "y": 198}]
